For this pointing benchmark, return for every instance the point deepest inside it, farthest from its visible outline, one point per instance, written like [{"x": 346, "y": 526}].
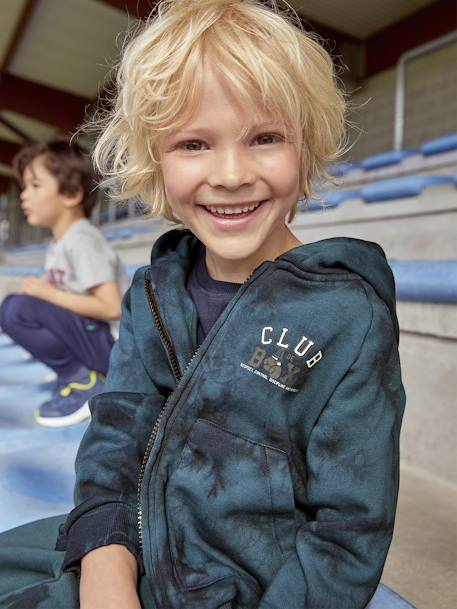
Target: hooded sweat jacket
[{"x": 261, "y": 470}]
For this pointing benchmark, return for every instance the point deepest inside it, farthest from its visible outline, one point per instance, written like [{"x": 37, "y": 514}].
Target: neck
[
  {"x": 237, "y": 271},
  {"x": 63, "y": 224}
]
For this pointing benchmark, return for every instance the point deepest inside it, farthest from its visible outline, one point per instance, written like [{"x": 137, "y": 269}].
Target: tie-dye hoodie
[{"x": 260, "y": 471}]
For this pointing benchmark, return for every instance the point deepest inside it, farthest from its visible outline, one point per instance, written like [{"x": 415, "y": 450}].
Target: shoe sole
[{"x": 79, "y": 416}]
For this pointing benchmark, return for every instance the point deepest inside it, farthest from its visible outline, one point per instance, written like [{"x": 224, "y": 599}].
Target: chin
[
  {"x": 37, "y": 223},
  {"x": 231, "y": 251}
]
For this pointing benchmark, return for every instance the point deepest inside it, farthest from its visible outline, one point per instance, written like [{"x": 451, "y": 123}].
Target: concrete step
[{"x": 422, "y": 562}]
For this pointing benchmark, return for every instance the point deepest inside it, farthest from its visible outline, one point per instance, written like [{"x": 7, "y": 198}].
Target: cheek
[
  {"x": 285, "y": 178},
  {"x": 181, "y": 179}
]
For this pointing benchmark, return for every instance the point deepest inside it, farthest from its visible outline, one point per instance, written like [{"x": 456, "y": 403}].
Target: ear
[{"x": 72, "y": 201}]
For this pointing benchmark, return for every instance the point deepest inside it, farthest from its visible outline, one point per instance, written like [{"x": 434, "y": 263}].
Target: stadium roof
[{"x": 55, "y": 55}]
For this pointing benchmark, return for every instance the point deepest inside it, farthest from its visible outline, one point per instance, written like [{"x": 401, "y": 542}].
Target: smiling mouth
[{"x": 232, "y": 211}]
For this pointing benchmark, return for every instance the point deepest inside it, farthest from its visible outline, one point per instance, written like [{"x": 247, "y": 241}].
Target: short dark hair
[{"x": 68, "y": 162}]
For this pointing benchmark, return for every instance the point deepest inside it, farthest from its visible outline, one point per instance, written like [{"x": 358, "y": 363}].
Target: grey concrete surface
[
  {"x": 439, "y": 320},
  {"x": 422, "y": 562},
  {"x": 409, "y": 237},
  {"x": 429, "y": 429}
]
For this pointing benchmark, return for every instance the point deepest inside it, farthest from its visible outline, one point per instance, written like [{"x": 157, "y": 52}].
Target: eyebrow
[
  {"x": 33, "y": 176},
  {"x": 204, "y": 131}
]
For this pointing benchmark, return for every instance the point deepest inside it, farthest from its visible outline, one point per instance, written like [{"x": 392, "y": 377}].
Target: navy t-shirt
[{"x": 210, "y": 296}]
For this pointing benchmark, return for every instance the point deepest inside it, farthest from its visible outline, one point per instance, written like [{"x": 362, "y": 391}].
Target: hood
[
  {"x": 345, "y": 255},
  {"x": 337, "y": 255}
]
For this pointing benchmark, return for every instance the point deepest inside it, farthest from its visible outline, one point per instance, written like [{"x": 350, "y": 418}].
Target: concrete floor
[{"x": 422, "y": 562}]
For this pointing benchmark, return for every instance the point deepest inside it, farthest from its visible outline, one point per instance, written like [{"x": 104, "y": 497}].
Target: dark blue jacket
[{"x": 262, "y": 470}]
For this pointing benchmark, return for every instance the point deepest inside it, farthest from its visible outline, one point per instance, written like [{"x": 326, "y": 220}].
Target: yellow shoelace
[{"x": 66, "y": 391}]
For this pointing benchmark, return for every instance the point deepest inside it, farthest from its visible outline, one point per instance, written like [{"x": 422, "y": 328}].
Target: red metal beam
[
  {"x": 7, "y": 151},
  {"x": 384, "y": 48},
  {"x": 21, "y": 25},
  {"x": 12, "y": 127},
  {"x": 142, "y": 8},
  {"x": 53, "y": 106},
  {"x": 137, "y": 8}
]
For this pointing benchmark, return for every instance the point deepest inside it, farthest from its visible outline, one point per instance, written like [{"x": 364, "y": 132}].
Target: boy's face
[
  {"x": 41, "y": 201},
  {"x": 232, "y": 192}
]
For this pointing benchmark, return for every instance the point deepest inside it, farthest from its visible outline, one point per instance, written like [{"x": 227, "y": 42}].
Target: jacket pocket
[{"x": 230, "y": 509}]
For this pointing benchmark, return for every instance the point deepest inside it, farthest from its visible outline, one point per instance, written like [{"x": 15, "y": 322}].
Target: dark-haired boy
[{"x": 64, "y": 319}]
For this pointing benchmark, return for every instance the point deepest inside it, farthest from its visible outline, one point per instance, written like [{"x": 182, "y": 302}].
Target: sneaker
[{"x": 69, "y": 403}]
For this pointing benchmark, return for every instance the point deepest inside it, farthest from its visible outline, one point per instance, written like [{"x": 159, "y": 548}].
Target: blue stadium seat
[
  {"x": 21, "y": 271},
  {"x": 439, "y": 145},
  {"x": 426, "y": 280},
  {"x": 37, "y": 271},
  {"x": 416, "y": 280},
  {"x": 331, "y": 199},
  {"x": 122, "y": 233},
  {"x": 385, "y": 598},
  {"x": 131, "y": 268},
  {"x": 385, "y": 159},
  {"x": 29, "y": 249},
  {"x": 400, "y": 188},
  {"x": 341, "y": 169}
]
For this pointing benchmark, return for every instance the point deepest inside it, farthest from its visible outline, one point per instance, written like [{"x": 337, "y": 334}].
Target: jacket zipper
[
  {"x": 155, "y": 430},
  {"x": 178, "y": 375}
]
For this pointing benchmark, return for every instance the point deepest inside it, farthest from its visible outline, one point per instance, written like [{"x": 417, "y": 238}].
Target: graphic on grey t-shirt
[{"x": 82, "y": 259}]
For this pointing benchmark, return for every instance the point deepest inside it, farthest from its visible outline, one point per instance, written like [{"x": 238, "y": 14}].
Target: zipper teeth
[
  {"x": 177, "y": 372},
  {"x": 149, "y": 446},
  {"x": 163, "y": 333},
  {"x": 155, "y": 430}
]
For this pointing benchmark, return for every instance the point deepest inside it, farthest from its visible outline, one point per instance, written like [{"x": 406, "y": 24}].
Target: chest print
[
  {"x": 282, "y": 361},
  {"x": 55, "y": 277}
]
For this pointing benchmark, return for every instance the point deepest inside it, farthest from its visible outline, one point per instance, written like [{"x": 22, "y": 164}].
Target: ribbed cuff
[{"x": 104, "y": 525}]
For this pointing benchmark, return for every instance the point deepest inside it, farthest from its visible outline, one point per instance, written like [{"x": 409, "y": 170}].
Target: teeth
[{"x": 232, "y": 210}]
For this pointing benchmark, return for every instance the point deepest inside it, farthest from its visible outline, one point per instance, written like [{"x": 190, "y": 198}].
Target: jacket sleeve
[
  {"x": 111, "y": 452},
  {"x": 352, "y": 466}
]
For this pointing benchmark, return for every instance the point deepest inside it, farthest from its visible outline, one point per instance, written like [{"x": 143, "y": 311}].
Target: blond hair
[{"x": 268, "y": 61}]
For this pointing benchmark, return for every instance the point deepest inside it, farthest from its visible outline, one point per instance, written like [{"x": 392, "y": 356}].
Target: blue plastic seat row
[
  {"x": 438, "y": 145},
  {"x": 377, "y": 192},
  {"x": 110, "y": 235},
  {"x": 37, "y": 271},
  {"x": 433, "y": 281}
]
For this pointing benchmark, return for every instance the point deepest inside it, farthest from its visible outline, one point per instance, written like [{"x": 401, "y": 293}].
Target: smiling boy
[{"x": 244, "y": 453}]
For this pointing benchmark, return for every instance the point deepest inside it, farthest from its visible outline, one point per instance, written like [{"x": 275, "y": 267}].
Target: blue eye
[{"x": 268, "y": 138}]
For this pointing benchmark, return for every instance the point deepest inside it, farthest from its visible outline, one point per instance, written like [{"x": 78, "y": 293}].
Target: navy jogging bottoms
[{"x": 55, "y": 336}]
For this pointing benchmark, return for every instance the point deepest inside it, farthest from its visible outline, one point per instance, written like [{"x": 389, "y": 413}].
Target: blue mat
[{"x": 37, "y": 463}]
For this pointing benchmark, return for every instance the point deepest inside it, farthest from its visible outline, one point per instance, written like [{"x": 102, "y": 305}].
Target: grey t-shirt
[{"x": 82, "y": 259}]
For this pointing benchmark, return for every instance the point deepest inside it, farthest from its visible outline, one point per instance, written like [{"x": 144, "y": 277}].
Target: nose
[{"x": 231, "y": 169}]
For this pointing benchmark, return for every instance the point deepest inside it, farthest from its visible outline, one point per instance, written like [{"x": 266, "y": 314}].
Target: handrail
[{"x": 399, "y": 126}]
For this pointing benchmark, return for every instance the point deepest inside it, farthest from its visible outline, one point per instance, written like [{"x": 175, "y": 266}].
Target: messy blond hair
[{"x": 265, "y": 57}]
